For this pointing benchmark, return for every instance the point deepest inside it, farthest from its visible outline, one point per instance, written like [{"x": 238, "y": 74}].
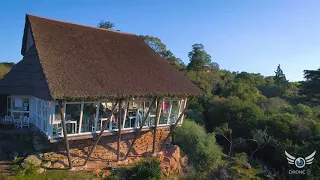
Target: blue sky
[{"x": 248, "y": 35}]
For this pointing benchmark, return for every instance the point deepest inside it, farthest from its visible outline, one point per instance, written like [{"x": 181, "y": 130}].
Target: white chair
[
  {"x": 25, "y": 122},
  {"x": 18, "y": 122},
  {"x": 8, "y": 119}
]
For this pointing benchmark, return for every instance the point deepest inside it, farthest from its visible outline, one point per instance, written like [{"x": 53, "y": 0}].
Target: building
[{"x": 88, "y": 70}]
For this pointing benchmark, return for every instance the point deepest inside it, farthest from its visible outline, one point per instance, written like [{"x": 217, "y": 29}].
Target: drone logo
[{"x": 300, "y": 162}]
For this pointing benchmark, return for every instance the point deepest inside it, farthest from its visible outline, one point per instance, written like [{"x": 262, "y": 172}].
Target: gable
[{"x": 26, "y": 78}]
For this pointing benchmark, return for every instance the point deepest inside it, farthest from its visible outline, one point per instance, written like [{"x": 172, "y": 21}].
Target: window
[
  {"x": 165, "y": 112},
  {"x": 72, "y": 117},
  {"x": 174, "y": 112},
  {"x": 88, "y": 117},
  {"x": 18, "y": 106}
]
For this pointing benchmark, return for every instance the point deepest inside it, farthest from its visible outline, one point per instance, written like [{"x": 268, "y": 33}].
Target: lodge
[{"x": 93, "y": 81}]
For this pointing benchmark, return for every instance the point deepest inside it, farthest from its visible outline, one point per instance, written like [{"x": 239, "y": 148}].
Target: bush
[
  {"x": 112, "y": 177},
  {"x": 26, "y": 169},
  {"x": 200, "y": 147},
  {"x": 17, "y": 170},
  {"x": 148, "y": 169},
  {"x": 241, "y": 158}
]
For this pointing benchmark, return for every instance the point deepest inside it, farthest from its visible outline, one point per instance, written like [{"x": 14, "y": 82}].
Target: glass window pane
[
  {"x": 165, "y": 110},
  {"x": 174, "y": 112},
  {"x": 9, "y": 103},
  {"x": 17, "y": 115},
  {"x": 131, "y": 114},
  {"x": 72, "y": 117},
  {"x": 20, "y": 104},
  {"x": 38, "y": 106},
  {"x": 89, "y": 111}
]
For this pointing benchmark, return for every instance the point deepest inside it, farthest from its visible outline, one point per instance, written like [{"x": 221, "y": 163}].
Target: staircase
[{"x": 5, "y": 168}]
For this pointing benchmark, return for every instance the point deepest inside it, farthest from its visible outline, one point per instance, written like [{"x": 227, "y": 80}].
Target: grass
[{"x": 54, "y": 175}]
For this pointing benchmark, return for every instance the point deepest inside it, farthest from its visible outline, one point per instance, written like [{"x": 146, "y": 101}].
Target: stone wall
[{"x": 108, "y": 144}]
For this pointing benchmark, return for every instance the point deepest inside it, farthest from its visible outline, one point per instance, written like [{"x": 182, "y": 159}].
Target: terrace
[{"x": 87, "y": 118}]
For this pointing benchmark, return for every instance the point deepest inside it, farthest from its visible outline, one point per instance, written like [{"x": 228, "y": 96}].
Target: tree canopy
[
  {"x": 311, "y": 86},
  {"x": 106, "y": 25},
  {"x": 160, "y": 48},
  {"x": 199, "y": 58}
]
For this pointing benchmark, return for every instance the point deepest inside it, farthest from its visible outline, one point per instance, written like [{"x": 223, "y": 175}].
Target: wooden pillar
[
  {"x": 159, "y": 106},
  {"x": 101, "y": 132},
  {"x": 81, "y": 116},
  {"x": 65, "y": 134},
  {"x": 140, "y": 128},
  {"x": 175, "y": 125},
  {"x": 119, "y": 130}
]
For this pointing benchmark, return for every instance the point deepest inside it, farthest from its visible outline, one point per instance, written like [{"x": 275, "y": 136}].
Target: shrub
[
  {"x": 17, "y": 170},
  {"x": 148, "y": 169},
  {"x": 26, "y": 169},
  {"x": 241, "y": 158},
  {"x": 200, "y": 147},
  {"x": 112, "y": 177}
]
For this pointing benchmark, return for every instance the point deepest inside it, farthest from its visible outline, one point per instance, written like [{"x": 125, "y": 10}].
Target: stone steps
[{"x": 5, "y": 168}]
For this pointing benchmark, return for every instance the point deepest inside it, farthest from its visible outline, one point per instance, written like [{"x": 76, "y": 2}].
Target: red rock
[
  {"x": 97, "y": 171},
  {"x": 105, "y": 174}
]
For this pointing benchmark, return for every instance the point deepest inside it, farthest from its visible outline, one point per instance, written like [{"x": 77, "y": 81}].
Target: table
[
  {"x": 72, "y": 122},
  {"x": 101, "y": 120},
  {"x": 130, "y": 120}
]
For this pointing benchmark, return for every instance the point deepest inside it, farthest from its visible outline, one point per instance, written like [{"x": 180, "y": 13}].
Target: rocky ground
[{"x": 102, "y": 162}]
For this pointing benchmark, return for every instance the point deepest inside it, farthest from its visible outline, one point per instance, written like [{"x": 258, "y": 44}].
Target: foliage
[
  {"x": 199, "y": 58},
  {"x": 204, "y": 80},
  {"x": 160, "y": 48},
  {"x": 25, "y": 169},
  {"x": 55, "y": 174},
  {"x": 106, "y": 25},
  {"x": 199, "y": 146},
  {"x": 280, "y": 77},
  {"x": 145, "y": 170},
  {"x": 310, "y": 87},
  {"x": 226, "y": 132},
  {"x": 5, "y": 67},
  {"x": 261, "y": 139},
  {"x": 241, "y": 158},
  {"x": 195, "y": 115}
]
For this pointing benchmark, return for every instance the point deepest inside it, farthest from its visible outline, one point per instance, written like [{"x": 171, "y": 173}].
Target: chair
[
  {"x": 57, "y": 129},
  {"x": 8, "y": 119},
  {"x": 18, "y": 123},
  {"x": 25, "y": 122}
]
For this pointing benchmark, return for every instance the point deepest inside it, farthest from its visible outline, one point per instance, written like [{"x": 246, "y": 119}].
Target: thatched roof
[{"x": 86, "y": 62}]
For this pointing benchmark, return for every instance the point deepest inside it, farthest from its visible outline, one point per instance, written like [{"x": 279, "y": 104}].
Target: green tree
[
  {"x": 225, "y": 132},
  {"x": 156, "y": 44},
  {"x": 280, "y": 77},
  {"x": 261, "y": 139},
  {"x": 200, "y": 147},
  {"x": 207, "y": 82},
  {"x": 106, "y": 25},
  {"x": 174, "y": 61},
  {"x": 199, "y": 58},
  {"x": 160, "y": 48},
  {"x": 311, "y": 86}
]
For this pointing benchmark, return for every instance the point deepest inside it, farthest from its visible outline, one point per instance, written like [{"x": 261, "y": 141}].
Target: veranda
[{"x": 88, "y": 117}]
